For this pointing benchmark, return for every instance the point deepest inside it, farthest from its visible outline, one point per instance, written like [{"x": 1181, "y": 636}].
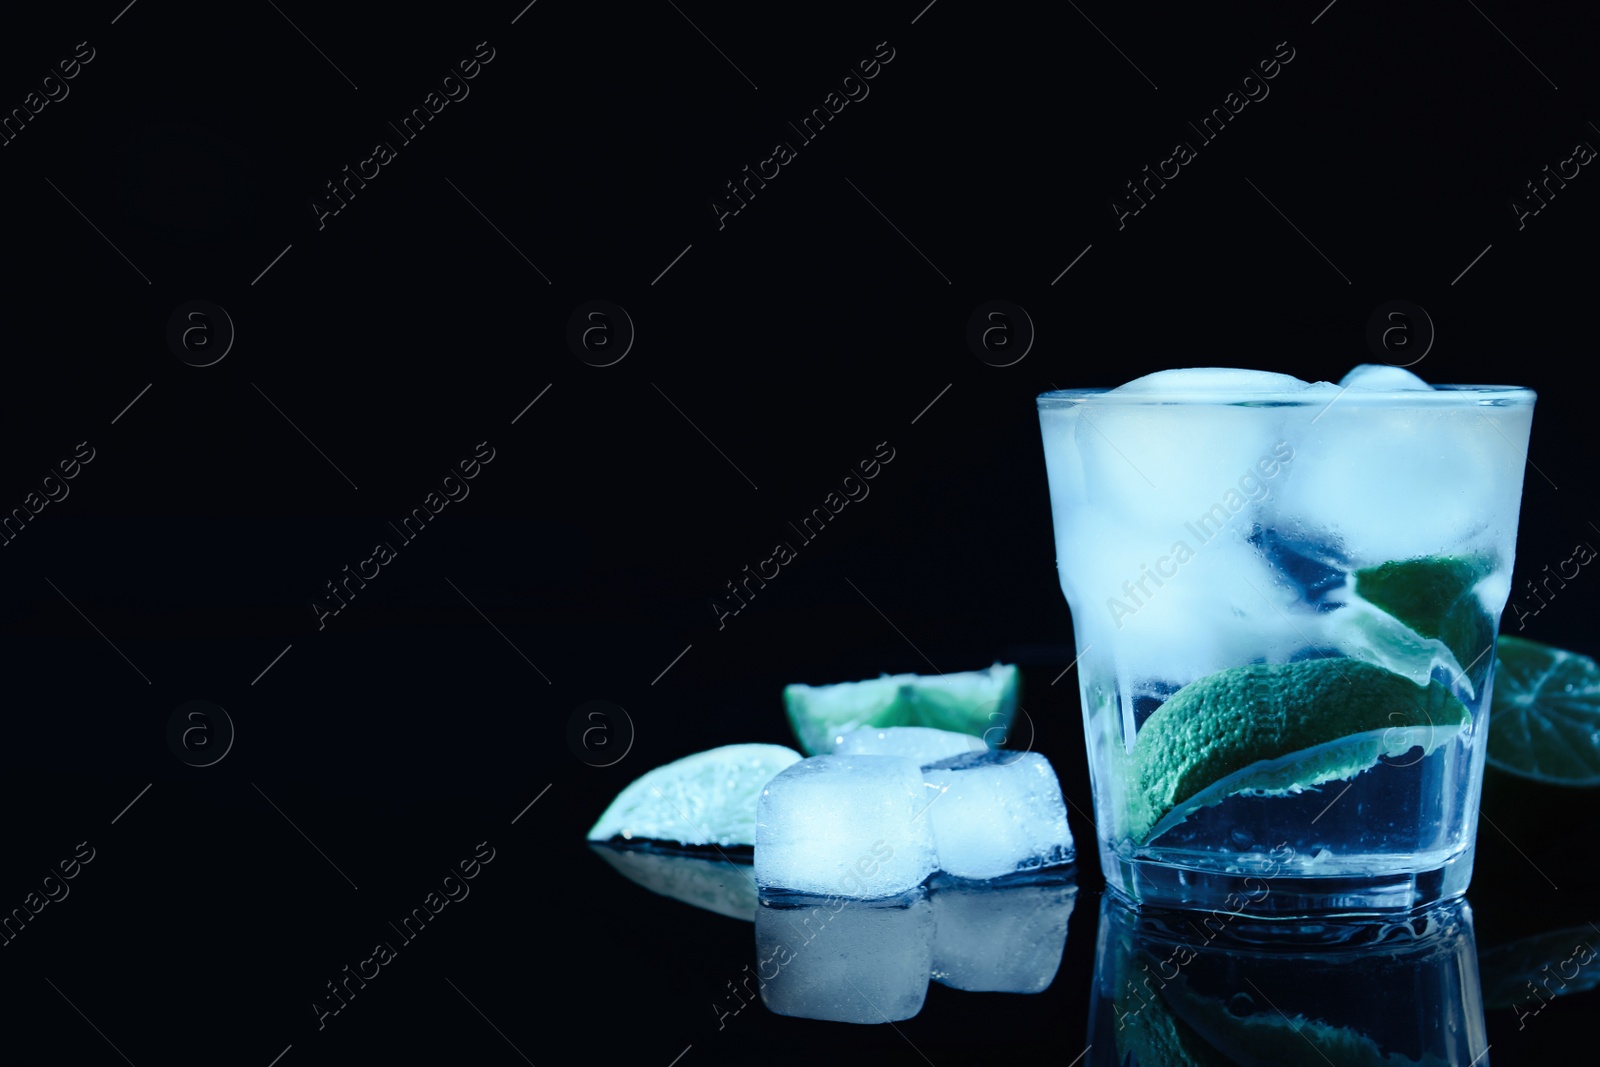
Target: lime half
[
  {"x": 1276, "y": 729},
  {"x": 1544, "y": 722},
  {"x": 968, "y": 702},
  {"x": 708, "y": 798}
]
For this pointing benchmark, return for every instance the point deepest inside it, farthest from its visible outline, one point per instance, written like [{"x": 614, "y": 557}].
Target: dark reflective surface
[{"x": 1211, "y": 988}]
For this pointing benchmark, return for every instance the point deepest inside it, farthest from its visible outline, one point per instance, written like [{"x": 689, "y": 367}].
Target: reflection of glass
[
  {"x": 1285, "y": 604},
  {"x": 1213, "y": 988},
  {"x": 870, "y": 961}
]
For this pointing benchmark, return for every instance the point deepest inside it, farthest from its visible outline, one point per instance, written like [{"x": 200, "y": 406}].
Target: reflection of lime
[
  {"x": 1544, "y": 723},
  {"x": 1267, "y": 1036},
  {"x": 709, "y": 882},
  {"x": 1433, "y": 595},
  {"x": 708, "y": 798},
  {"x": 1148, "y": 1027},
  {"x": 1520, "y": 973},
  {"x": 969, "y": 702},
  {"x": 1274, "y": 729}
]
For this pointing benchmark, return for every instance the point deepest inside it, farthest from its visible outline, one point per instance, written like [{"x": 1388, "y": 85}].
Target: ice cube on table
[
  {"x": 850, "y": 826},
  {"x": 1384, "y": 376},
  {"x": 1000, "y": 939},
  {"x": 920, "y": 744},
  {"x": 845, "y": 961},
  {"x": 996, "y": 813}
]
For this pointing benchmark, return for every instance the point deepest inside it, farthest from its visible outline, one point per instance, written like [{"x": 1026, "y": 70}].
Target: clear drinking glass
[{"x": 1285, "y": 607}]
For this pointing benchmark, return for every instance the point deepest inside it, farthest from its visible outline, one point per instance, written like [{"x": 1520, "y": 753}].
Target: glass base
[{"x": 1144, "y": 882}]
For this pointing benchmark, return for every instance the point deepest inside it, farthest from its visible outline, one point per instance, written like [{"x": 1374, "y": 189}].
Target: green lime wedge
[
  {"x": 970, "y": 702},
  {"x": 1544, "y": 721},
  {"x": 708, "y": 882},
  {"x": 708, "y": 798},
  {"x": 1434, "y": 596},
  {"x": 1275, "y": 729}
]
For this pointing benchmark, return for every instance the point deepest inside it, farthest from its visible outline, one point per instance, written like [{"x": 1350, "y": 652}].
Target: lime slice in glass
[
  {"x": 1544, "y": 722},
  {"x": 1275, "y": 729},
  {"x": 1434, "y": 596},
  {"x": 971, "y": 702},
  {"x": 708, "y": 798}
]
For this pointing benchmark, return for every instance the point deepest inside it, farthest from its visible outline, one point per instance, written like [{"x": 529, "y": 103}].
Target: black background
[{"x": 771, "y": 355}]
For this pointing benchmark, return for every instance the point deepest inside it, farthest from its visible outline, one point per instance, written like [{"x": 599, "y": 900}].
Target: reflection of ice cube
[
  {"x": 849, "y": 962},
  {"x": 1005, "y": 939},
  {"x": 920, "y": 744},
  {"x": 997, "y": 813},
  {"x": 848, "y": 825},
  {"x": 1382, "y": 376}
]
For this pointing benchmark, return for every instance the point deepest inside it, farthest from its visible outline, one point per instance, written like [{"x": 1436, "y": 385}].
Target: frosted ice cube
[
  {"x": 846, "y": 825},
  {"x": 1382, "y": 376},
  {"x": 1228, "y": 380},
  {"x": 1392, "y": 481},
  {"x": 997, "y": 813},
  {"x": 1000, "y": 939},
  {"x": 845, "y": 961},
  {"x": 920, "y": 744}
]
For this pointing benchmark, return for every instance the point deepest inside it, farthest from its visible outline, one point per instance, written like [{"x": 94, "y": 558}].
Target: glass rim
[{"x": 1436, "y": 396}]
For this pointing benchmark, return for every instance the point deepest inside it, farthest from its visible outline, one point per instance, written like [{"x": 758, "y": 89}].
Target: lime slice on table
[
  {"x": 1275, "y": 729},
  {"x": 1544, "y": 722},
  {"x": 1434, "y": 596},
  {"x": 969, "y": 702},
  {"x": 708, "y": 798}
]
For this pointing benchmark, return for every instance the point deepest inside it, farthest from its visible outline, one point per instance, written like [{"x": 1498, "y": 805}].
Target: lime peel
[
  {"x": 1276, "y": 729},
  {"x": 708, "y": 798},
  {"x": 1544, "y": 720},
  {"x": 979, "y": 703}
]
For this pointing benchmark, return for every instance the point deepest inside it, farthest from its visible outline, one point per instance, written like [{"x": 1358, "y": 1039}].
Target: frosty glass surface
[{"x": 1207, "y": 529}]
